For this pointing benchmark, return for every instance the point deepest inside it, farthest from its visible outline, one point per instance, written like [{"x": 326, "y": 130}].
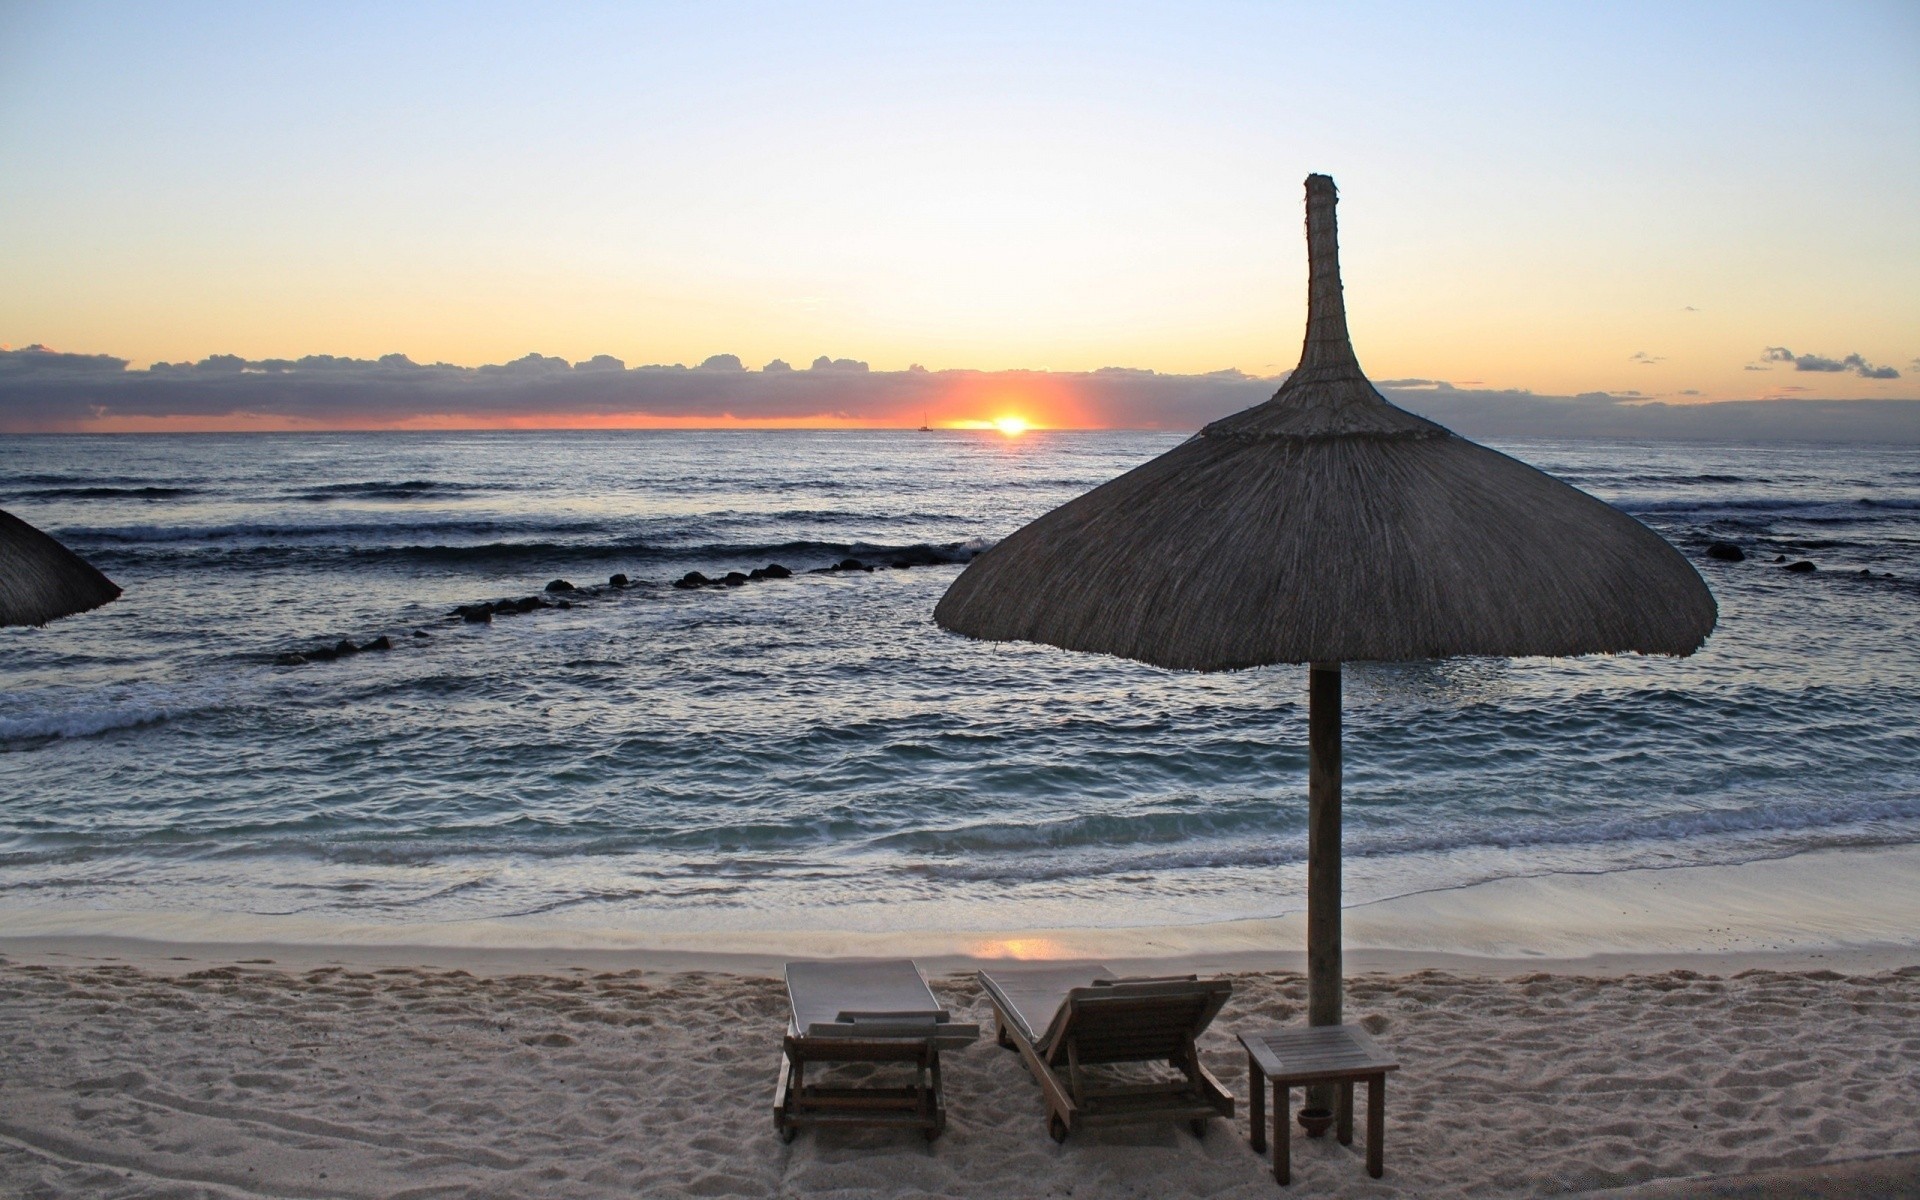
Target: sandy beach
[{"x": 143, "y": 1068}]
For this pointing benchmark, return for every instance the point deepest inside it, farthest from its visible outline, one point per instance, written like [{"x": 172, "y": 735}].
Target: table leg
[
  {"x": 1345, "y": 1130},
  {"x": 1282, "y": 1135},
  {"x": 1376, "y": 1124},
  {"x": 1257, "y": 1104}
]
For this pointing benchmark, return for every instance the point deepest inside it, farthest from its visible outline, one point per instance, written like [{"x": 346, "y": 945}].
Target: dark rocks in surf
[
  {"x": 1779, "y": 558},
  {"x": 617, "y": 579},
  {"x": 851, "y": 564},
  {"x": 770, "y": 571},
  {"x": 344, "y": 648},
  {"x": 561, "y": 585},
  {"x": 478, "y": 614},
  {"x": 421, "y": 633},
  {"x": 1802, "y": 567},
  {"x": 733, "y": 579},
  {"x": 1726, "y": 552},
  {"x": 692, "y": 579}
]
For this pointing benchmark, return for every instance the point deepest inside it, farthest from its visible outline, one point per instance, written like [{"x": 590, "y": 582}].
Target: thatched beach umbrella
[
  {"x": 41, "y": 580},
  {"x": 1326, "y": 525}
]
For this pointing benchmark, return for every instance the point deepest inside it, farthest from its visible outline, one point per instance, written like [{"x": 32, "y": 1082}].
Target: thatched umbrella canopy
[
  {"x": 41, "y": 580},
  {"x": 1327, "y": 525}
]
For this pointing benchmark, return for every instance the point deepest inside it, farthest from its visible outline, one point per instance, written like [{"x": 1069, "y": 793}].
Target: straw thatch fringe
[
  {"x": 1226, "y": 554},
  {"x": 1328, "y": 525},
  {"x": 41, "y": 580}
]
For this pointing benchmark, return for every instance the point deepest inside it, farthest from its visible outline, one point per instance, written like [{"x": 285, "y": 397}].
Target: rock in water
[
  {"x": 1801, "y": 567},
  {"x": 617, "y": 579},
  {"x": 692, "y": 579},
  {"x": 1726, "y": 552},
  {"x": 560, "y": 585}
]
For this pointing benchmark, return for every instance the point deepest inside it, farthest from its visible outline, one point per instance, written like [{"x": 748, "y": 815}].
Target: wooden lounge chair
[
  {"x": 1066, "y": 1020},
  {"x": 874, "y": 1011}
]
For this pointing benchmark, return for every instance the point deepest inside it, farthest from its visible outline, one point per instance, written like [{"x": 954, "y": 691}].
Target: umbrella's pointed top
[{"x": 1326, "y": 395}]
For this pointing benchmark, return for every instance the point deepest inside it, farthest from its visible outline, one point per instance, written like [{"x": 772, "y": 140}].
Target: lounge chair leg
[
  {"x": 1199, "y": 1127},
  {"x": 782, "y": 1097},
  {"x": 1056, "y": 1128}
]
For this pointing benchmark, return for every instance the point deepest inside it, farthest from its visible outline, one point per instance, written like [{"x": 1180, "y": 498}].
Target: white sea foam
[{"x": 82, "y": 722}]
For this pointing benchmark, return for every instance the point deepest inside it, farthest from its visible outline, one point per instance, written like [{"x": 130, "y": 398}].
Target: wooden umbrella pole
[{"x": 1323, "y": 861}]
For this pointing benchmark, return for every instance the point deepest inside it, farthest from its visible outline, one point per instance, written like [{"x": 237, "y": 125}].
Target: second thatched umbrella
[
  {"x": 41, "y": 580},
  {"x": 1327, "y": 525}
]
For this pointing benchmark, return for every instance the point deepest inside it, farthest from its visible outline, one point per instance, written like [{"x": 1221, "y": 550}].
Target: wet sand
[
  {"x": 1727, "y": 1032},
  {"x": 250, "y": 1078}
]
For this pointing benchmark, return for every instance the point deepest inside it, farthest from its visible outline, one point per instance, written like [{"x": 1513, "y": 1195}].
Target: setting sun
[{"x": 1011, "y": 426}]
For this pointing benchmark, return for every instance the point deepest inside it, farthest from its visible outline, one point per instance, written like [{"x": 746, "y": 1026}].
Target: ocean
[{"x": 812, "y": 751}]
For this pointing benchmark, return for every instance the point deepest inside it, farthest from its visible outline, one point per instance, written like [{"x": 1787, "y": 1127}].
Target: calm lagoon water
[{"x": 814, "y": 750}]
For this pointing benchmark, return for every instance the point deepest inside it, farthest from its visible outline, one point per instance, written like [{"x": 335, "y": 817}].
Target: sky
[{"x": 1679, "y": 202}]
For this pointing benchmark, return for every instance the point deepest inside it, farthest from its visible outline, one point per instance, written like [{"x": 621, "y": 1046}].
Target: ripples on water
[{"x": 661, "y": 759}]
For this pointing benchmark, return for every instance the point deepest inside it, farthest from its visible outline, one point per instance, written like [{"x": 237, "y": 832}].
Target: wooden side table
[{"x": 1294, "y": 1056}]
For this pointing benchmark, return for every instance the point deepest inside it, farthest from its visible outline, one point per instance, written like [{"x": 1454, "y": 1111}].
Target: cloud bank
[
  {"x": 1815, "y": 362},
  {"x": 44, "y": 390}
]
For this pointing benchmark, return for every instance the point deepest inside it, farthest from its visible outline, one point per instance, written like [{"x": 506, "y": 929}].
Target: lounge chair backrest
[
  {"x": 852, "y": 999},
  {"x": 1138, "y": 1022}
]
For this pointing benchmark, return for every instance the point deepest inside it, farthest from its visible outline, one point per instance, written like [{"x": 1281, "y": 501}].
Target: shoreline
[{"x": 1852, "y": 909}]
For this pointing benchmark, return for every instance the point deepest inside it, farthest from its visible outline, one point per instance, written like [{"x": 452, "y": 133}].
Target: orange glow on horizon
[
  {"x": 455, "y": 422},
  {"x": 1009, "y": 425},
  {"x": 1029, "y": 402}
]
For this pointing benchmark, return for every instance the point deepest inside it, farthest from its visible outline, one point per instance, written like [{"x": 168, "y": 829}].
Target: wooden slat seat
[
  {"x": 1067, "y": 1022},
  {"x": 864, "y": 1011}
]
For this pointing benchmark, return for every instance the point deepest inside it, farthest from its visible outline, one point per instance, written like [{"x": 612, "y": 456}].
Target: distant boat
[{"x": 924, "y": 427}]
